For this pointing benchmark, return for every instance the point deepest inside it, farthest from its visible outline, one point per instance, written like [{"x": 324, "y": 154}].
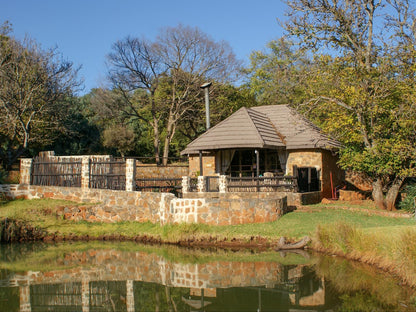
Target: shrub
[
  {"x": 408, "y": 203},
  {"x": 3, "y": 176}
]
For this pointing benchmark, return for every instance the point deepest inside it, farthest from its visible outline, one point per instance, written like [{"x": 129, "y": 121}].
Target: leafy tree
[
  {"x": 120, "y": 137},
  {"x": 34, "y": 85},
  {"x": 110, "y": 110},
  {"x": 169, "y": 72},
  {"x": 279, "y": 74},
  {"x": 79, "y": 135},
  {"x": 366, "y": 59}
]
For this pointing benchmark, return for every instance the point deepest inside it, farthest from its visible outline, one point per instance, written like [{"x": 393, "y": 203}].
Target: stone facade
[
  {"x": 144, "y": 171},
  {"x": 208, "y": 165},
  {"x": 321, "y": 160},
  {"x": 162, "y": 208},
  {"x": 303, "y": 158},
  {"x": 228, "y": 209},
  {"x": 13, "y": 191}
]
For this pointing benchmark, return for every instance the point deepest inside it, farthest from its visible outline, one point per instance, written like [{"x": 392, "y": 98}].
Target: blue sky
[{"x": 84, "y": 30}]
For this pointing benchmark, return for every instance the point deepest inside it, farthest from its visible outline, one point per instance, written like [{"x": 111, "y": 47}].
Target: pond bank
[{"x": 386, "y": 242}]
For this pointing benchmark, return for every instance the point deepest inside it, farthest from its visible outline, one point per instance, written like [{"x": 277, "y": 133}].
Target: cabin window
[
  {"x": 308, "y": 179},
  {"x": 243, "y": 163}
]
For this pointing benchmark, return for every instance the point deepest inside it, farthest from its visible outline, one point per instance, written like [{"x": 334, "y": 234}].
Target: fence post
[
  {"x": 223, "y": 184},
  {"x": 85, "y": 172},
  {"x": 130, "y": 175},
  {"x": 186, "y": 184},
  {"x": 201, "y": 184},
  {"x": 25, "y": 170}
]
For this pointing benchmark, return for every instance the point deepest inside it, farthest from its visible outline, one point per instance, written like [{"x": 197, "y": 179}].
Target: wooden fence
[
  {"x": 107, "y": 174},
  {"x": 56, "y": 172}
]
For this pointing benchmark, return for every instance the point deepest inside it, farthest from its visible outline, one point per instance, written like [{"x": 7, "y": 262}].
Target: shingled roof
[{"x": 271, "y": 126}]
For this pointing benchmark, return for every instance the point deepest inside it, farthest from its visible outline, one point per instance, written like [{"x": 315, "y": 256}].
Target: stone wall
[
  {"x": 347, "y": 195},
  {"x": 323, "y": 161},
  {"x": 303, "y": 158},
  {"x": 109, "y": 205},
  {"x": 208, "y": 165},
  {"x": 228, "y": 208},
  {"x": 162, "y": 208},
  {"x": 144, "y": 171},
  {"x": 330, "y": 168},
  {"x": 13, "y": 191}
]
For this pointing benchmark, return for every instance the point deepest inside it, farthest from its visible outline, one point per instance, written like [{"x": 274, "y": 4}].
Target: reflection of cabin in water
[{"x": 268, "y": 140}]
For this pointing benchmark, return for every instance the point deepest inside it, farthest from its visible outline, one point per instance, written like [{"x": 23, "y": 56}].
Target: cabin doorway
[{"x": 308, "y": 179}]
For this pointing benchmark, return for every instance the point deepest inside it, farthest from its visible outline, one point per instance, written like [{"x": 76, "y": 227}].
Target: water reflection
[{"x": 130, "y": 277}]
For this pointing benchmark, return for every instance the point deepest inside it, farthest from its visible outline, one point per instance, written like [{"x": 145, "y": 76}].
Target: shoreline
[
  {"x": 387, "y": 243},
  {"x": 257, "y": 243}
]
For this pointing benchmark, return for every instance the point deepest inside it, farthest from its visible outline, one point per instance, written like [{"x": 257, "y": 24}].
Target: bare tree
[
  {"x": 33, "y": 83},
  {"x": 170, "y": 70}
]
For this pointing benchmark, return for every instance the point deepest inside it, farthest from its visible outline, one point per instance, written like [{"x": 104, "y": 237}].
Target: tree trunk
[
  {"x": 170, "y": 132},
  {"x": 282, "y": 245},
  {"x": 378, "y": 196},
  {"x": 156, "y": 141},
  {"x": 392, "y": 193}
]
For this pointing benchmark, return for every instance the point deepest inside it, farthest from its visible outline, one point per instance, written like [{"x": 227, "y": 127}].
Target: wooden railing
[
  {"x": 262, "y": 184},
  {"x": 159, "y": 184}
]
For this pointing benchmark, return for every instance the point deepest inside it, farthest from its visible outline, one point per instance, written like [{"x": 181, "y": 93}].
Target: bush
[
  {"x": 3, "y": 176},
  {"x": 408, "y": 203}
]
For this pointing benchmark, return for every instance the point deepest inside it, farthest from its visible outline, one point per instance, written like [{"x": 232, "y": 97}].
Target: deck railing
[
  {"x": 262, "y": 184},
  {"x": 106, "y": 173},
  {"x": 159, "y": 184}
]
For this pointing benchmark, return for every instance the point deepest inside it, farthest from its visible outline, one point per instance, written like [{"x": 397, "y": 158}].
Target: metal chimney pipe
[{"x": 206, "y": 86}]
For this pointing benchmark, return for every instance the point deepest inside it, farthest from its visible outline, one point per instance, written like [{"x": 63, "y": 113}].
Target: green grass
[{"x": 42, "y": 213}]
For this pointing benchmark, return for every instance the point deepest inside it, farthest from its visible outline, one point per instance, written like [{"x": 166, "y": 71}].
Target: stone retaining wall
[
  {"x": 13, "y": 191},
  {"x": 228, "y": 209},
  {"x": 163, "y": 208}
]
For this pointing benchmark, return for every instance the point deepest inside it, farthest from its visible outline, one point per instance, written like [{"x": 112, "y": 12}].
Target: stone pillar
[
  {"x": 130, "y": 175},
  {"x": 186, "y": 184},
  {"x": 25, "y": 170},
  {"x": 201, "y": 184},
  {"x": 85, "y": 172},
  {"x": 24, "y": 294},
  {"x": 130, "y": 296},
  {"x": 223, "y": 184}
]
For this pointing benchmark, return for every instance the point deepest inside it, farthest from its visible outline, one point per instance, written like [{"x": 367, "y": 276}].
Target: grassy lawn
[{"x": 42, "y": 213}]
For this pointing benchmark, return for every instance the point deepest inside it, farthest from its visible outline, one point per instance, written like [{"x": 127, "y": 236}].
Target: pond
[{"x": 129, "y": 277}]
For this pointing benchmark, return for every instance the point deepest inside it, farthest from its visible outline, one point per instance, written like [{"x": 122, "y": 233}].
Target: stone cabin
[{"x": 264, "y": 141}]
